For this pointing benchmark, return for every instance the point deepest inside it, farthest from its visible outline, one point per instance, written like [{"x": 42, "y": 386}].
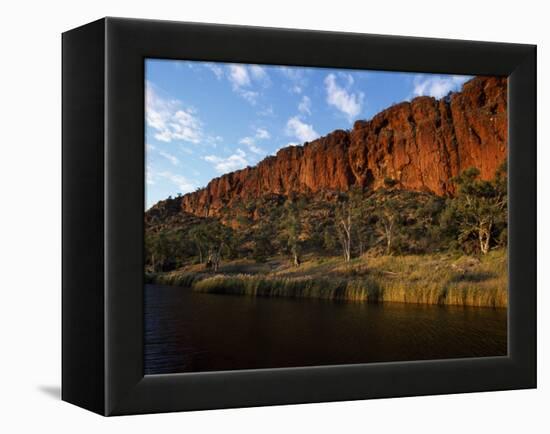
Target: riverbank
[{"x": 443, "y": 279}]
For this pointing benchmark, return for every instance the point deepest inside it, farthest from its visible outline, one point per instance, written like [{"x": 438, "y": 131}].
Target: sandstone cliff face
[{"x": 420, "y": 144}]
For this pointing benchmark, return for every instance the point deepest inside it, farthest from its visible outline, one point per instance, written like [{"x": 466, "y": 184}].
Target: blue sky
[{"x": 204, "y": 119}]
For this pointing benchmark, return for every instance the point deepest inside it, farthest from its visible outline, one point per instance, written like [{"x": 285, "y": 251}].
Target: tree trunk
[
  {"x": 296, "y": 260},
  {"x": 200, "y": 253},
  {"x": 216, "y": 259},
  {"x": 346, "y": 226},
  {"x": 346, "y": 250},
  {"x": 485, "y": 238},
  {"x": 388, "y": 227}
]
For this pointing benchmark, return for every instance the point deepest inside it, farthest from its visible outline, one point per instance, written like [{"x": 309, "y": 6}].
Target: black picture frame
[{"x": 103, "y": 204}]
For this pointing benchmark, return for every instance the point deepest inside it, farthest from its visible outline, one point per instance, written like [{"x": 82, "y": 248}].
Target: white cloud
[
  {"x": 268, "y": 111},
  {"x": 296, "y": 77},
  {"x": 185, "y": 126},
  {"x": 244, "y": 77},
  {"x": 258, "y": 72},
  {"x": 216, "y": 69},
  {"x": 304, "y": 106},
  {"x": 292, "y": 73},
  {"x": 345, "y": 101},
  {"x": 247, "y": 141},
  {"x": 184, "y": 185},
  {"x": 262, "y": 134},
  {"x": 437, "y": 86},
  {"x": 238, "y": 76},
  {"x": 172, "y": 158},
  {"x": 213, "y": 140},
  {"x": 250, "y": 142},
  {"x": 229, "y": 164},
  {"x": 256, "y": 149},
  {"x": 304, "y": 132},
  {"x": 285, "y": 146},
  {"x": 347, "y": 77},
  {"x": 249, "y": 95},
  {"x": 149, "y": 176},
  {"x": 170, "y": 120}
]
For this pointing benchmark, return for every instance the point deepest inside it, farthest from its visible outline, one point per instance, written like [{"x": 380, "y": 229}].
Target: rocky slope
[{"x": 420, "y": 145}]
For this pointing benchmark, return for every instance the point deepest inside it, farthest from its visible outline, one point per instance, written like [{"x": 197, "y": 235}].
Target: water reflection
[{"x": 190, "y": 332}]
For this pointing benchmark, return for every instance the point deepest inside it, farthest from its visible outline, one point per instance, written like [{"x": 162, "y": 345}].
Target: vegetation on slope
[
  {"x": 386, "y": 245},
  {"x": 431, "y": 279}
]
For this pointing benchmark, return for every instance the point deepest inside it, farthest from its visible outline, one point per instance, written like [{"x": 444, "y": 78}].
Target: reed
[
  {"x": 301, "y": 287},
  {"x": 185, "y": 279},
  {"x": 364, "y": 290},
  {"x": 430, "y": 279}
]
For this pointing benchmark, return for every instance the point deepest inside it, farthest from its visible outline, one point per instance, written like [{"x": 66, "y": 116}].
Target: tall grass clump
[
  {"x": 299, "y": 287},
  {"x": 443, "y": 279},
  {"x": 481, "y": 297},
  {"x": 177, "y": 279},
  {"x": 486, "y": 285}
]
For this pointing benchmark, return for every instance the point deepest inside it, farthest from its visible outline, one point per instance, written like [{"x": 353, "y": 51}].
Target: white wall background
[{"x": 30, "y": 204}]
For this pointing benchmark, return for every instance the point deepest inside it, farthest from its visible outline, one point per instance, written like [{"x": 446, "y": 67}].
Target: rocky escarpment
[{"x": 420, "y": 145}]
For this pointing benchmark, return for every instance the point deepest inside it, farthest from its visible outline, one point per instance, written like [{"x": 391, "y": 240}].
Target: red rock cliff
[{"x": 420, "y": 144}]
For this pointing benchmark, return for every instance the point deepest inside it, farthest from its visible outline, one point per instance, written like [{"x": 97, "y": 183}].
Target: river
[{"x": 192, "y": 332}]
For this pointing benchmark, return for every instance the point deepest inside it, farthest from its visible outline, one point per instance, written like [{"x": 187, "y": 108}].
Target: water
[{"x": 191, "y": 332}]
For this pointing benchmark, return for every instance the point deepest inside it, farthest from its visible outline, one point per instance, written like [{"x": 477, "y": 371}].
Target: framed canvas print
[{"x": 257, "y": 216}]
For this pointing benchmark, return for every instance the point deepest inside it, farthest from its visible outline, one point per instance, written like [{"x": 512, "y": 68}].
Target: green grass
[{"x": 428, "y": 279}]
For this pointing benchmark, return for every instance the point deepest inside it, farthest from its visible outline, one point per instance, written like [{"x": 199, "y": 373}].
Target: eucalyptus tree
[{"x": 479, "y": 209}]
